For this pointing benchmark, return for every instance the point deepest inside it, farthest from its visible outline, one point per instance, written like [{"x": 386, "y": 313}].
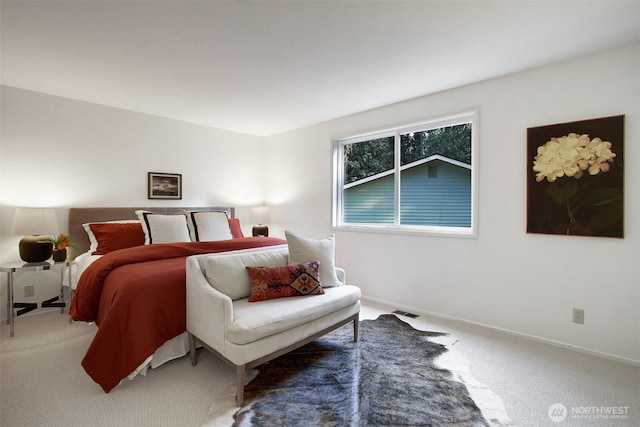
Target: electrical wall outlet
[
  {"x": 29, "y": 291},
  {"x": 578, "y": 316}
]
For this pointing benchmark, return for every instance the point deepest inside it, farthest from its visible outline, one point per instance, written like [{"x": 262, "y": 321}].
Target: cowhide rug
[{"x": 389, "y": 378}]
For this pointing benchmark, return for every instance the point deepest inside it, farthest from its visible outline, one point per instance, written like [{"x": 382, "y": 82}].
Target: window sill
[{"x": 455, "y": 232}]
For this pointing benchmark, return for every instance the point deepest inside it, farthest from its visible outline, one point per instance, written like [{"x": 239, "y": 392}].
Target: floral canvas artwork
[{"x": 575, "y": 178}]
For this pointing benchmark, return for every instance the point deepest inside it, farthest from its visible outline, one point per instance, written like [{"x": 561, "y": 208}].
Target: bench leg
[
  {"x": 192, "y": 349},
  {"x": 355, "y": 329},
  {"x": 240, "y": 384}
]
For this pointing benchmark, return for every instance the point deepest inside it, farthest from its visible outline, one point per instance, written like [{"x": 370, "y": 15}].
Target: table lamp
[
  {"x": 260, "y": 215},
  {"x": 36, "y": 225}
]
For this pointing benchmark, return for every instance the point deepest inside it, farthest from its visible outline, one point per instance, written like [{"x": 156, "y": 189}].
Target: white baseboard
[{"x": 507, "y": 331}]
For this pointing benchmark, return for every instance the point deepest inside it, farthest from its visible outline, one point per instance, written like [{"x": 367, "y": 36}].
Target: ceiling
[{"x": 264, "y": 67}]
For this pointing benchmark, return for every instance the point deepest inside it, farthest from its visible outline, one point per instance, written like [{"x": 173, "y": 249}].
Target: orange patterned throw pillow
[{"x": 284, "y": 281}]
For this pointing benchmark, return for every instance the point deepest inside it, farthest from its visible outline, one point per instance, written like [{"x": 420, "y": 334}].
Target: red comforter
[{"x": 137, "y": 298}]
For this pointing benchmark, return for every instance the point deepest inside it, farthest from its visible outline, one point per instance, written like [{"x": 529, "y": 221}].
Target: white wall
[
  {"x": 506, "y": 278},
  {"x": 62, "y": 153}
]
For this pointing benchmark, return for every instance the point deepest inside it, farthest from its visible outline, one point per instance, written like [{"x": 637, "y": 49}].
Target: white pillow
[
  {"x": 207, "y": 226},
  {"x": 303, "y": 249},
  {"x": 93, "y": 242},
  {"x": 227, "y": 273},
  {"x": 163, "y": 228}
]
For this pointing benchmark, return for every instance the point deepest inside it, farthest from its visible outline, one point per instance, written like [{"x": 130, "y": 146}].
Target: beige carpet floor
[{"x": 43, "y": 384}]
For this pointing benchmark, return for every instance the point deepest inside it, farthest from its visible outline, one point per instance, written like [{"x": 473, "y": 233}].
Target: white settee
[{"x": 247, "y": 334}]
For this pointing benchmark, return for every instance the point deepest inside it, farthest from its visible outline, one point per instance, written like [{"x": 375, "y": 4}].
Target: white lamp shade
[
  {"x": 35, "y": 221},
  {"x": 259, "y": 215}
]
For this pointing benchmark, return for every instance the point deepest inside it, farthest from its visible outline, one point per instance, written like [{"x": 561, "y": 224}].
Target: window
[{"x": 416, "y": 178}]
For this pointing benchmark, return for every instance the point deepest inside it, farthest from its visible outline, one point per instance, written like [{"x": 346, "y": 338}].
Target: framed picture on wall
[
  {"x": 575, "y": 178},
  {"x": 164, "y": 185}
]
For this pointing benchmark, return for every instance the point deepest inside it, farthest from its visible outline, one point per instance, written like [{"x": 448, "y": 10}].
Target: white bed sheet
[
  {"x": 173, "y": 349},
  {"x": 79, "y": 265}
]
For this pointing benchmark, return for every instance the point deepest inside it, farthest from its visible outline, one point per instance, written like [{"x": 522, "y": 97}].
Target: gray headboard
[{"x": 79, "y": 216}]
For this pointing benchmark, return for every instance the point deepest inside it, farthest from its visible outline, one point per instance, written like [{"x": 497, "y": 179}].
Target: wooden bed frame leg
[
  {"x": 240, "y": 384},
  {"x": 192, "y": 350}
]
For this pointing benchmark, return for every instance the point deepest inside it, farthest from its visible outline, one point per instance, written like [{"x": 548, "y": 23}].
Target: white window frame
[{"x": 397, "y": 228}]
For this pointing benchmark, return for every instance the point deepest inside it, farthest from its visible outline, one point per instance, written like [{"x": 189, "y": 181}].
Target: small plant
[{"x": 63, "y": 241}]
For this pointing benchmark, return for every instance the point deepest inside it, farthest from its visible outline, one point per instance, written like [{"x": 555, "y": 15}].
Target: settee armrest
[
  {"x": 209, "y": 311},
  {"x": 342, "y": 275}
]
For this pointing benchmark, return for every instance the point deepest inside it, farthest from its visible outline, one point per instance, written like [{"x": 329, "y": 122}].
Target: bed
[{"x": 129, "y": 278}]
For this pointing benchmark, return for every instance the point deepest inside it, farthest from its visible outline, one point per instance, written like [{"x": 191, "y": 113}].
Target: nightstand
[{"x": 11, "y": 268}]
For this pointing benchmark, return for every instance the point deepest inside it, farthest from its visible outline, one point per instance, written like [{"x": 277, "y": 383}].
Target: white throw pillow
[
  {"x": 163, "y": 228},
  {"x": 93, "y": 241},
  {"x": 207, "y": 226},
  {"x": 227, "y": 273},
  {"x": 303, "y": 249}
]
